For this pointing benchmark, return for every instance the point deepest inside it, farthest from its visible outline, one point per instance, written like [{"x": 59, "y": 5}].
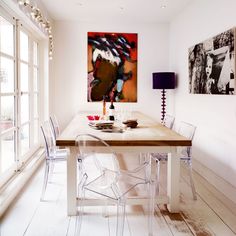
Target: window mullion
[
  {"x": 17, "y": 102},
  {"x": 31, "y": 95}
]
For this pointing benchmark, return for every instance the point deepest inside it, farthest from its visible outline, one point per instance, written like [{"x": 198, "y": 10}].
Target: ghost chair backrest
[{"x": 169, "y": 121}]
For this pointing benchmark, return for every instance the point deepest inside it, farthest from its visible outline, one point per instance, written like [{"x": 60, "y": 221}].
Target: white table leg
[
  {"x": 173, "y": 175},
  {"x": 72, "y": 183}
]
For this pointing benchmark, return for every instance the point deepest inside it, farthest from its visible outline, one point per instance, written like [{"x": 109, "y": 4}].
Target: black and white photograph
[{"x": 212, "y": 65}]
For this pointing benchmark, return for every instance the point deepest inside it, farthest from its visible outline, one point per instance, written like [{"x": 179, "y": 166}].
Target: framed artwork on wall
[
  {"x": 212, "y": 65},
  {"x": 112, "y": 66}
]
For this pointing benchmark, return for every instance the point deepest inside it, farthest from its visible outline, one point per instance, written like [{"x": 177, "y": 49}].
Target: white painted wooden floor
[{"x": 30, "y": 217}]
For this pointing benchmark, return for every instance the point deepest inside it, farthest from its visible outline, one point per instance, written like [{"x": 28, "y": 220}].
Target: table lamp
[{"x": 163, "y": 80}]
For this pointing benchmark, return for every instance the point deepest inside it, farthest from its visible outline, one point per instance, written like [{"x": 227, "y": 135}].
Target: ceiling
[{"x": 115, "y": 11}]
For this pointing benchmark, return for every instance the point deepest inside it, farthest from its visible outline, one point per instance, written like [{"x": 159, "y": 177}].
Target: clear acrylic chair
[
  {"x": 55, "y": 126},
  {"x": 52, "y": 154},
  {"x": 169, "y": 123},
  {"x": 100, "y": 174},
  {"x": 187, "y": 130}
]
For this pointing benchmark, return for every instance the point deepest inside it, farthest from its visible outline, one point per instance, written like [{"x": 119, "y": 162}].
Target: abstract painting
[
  {"x": 212, "y": 65},
  {"x": 112, "y": 67}
]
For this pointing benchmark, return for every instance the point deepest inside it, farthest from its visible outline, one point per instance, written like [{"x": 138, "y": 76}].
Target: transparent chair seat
[
  {"x": 57, "y": 154},
  {"x": 100, "y": 174}
]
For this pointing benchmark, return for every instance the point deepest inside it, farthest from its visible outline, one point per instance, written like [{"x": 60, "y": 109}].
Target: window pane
[
  {"x": 24, "y": 108},
  {"x": 6, "y": 36},
  {"x": 24, "y": 139},
  {"x": 36, "y": 131},
  {"x": 36, "y": 114},
  {"x": 24, "y": 77},
  {"x": 7, "y": 151},
  {"x": 7, "y": 112},
  {"x": 7, "y": 75},
  {"x": 24, "y": 46},
  {"x": 35, "y": 50},
  {"x": 35, "y": 80}
]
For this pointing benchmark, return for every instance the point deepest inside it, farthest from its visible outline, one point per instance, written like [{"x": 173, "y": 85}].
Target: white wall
[
  {"x": 68, "y": 92},
  {"x": 214, "y": 115}
]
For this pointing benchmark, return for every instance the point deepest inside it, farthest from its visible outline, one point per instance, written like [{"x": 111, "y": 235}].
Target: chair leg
[
  {"x": 80, "y": 211},
  {"x": 45, "y": 181},
  {"x": 158, "y": 176},
  {"x": 51, "y": 171},
  {"x": 140, "y": 158},
  {"x": 105, "y": 211},
  {"x": 191, "y": 179},
  {"x": 148, "y": 168},
  {"x": 52, "y": 167},
  {"x": 120, "y": 217},
  {"x": 151, "y": 206},
  {"x": 143, "y": 157}
]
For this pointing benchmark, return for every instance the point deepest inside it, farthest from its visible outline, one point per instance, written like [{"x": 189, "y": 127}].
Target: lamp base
[{"x": 163, "y": 104}]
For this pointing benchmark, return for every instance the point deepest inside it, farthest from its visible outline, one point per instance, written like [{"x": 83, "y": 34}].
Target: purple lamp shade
[{"x": 163, "y": 80}]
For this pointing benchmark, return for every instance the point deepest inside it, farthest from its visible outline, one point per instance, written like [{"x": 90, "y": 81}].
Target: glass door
[
  {"x": 28, "y": 94},
  {"x": 8, "y": 95}
]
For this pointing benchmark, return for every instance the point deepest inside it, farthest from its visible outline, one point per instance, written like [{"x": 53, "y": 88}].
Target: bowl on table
[
  {"x": 93, "y": 117},
  {"x": 130, "y": 123}
]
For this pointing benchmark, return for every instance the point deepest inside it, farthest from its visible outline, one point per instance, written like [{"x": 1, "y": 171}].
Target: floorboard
[{"x": 27, "y": 216}]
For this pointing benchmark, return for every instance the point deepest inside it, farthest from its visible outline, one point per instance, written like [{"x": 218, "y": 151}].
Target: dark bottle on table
[{"x": 112, "y": 111}]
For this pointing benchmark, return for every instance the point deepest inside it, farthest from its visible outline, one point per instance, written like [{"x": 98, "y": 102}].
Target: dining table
[{"x": 150, "y": 136}]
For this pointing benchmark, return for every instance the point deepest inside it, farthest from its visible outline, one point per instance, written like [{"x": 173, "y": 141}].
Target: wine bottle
[{"x": 112, "y": 111}]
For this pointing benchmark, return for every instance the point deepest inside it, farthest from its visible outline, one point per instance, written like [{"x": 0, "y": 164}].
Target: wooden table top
[{"x": 148, "y": 133}]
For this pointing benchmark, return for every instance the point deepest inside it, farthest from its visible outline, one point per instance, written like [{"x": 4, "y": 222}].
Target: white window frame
[{"x": 21, "y": 160}]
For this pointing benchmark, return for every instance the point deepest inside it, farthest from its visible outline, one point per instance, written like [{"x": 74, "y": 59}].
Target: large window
[{"x": 19, "y": 95}]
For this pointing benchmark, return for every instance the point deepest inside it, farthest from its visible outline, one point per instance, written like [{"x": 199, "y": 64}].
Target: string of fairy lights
[{"x": 37, "y": 16}]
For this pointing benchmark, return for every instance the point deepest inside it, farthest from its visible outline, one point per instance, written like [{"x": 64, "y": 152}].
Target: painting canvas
[
  {"x": 212, "y": 65},
  {"x": 112, "y": 67}
]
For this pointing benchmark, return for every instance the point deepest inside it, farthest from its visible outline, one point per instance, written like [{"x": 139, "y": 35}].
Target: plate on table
[
  {"x": 113, "y": 130},
  {"x": 101, "y": 124}
]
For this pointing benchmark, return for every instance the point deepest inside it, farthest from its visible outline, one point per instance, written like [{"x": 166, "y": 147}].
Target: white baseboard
[{"x": 218, "y": 182}]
